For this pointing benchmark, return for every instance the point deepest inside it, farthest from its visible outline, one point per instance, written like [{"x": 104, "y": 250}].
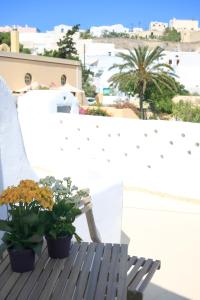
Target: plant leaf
[
  {"x": 3, "y": 247},
  {"x": 37, "y": 248},
  {"x": 4, "y": 226}
]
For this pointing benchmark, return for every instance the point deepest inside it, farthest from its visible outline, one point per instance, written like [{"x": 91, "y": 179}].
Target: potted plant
[
  {"x": 59, "y": 228},
  {"x": 24, "y": 231}
]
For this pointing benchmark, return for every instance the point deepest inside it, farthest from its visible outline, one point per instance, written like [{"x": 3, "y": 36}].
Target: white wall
[{"x": 158, "y": 155}]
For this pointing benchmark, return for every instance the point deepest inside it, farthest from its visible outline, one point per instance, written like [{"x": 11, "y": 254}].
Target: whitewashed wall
[{"x": 158, "y": 155}]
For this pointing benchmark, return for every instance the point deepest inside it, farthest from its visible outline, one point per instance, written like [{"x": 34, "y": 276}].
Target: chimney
[{"x": 14, "y": 37}]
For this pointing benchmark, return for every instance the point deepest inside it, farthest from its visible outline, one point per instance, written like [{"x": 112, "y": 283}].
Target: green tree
[
  {"x": 90, "y": 90},
  {"x": 24, "y": 50},
  {"x": 161, "y": 101},
  {"x": 186, "y": 111},
  {"x": 66, "y": 46},
  {"x": 141, "y": 68},
  {"x": 171, "y": 35},
  {"x": 5, "y": 38},
  {"x": 86, "y": 35}
]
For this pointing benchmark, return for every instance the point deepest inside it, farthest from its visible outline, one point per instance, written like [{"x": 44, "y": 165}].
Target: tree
[
  {"x": 161, "y": 101},
  {"x": 86, "y": 35},
  {"x": 140, "y": 68},
  {"x": 186, "y": 111},
  {"x": 5, "y": 38},
  {"x": 171, "y": 35},
  {"x": 24, "y": 50},
  {"x": 90, "y": 90},
  {"x": 66, "y": 46}
]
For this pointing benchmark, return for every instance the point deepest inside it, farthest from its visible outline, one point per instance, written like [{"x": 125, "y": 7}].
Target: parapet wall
[
  {"x": 162, "y": 156},
  {"x": 124, "y": 43}
]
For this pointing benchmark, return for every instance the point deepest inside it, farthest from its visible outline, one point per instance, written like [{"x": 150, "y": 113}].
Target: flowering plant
[
  {"x": 59, "y": 220},
  {"x": 23, "y": 227}
]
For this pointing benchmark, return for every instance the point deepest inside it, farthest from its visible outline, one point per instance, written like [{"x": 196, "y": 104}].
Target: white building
[
  {"x": 25, "y": 28},
  {"x": 99, "y": 30},
  {"x": 181, "y": 25},
  {"x": 158, "y": 26},
  {"x": 137, "y": 29},
  {"x": 38, "y": 41}
]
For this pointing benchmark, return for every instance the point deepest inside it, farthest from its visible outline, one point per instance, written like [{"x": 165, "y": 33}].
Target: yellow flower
[{"x": 26, "y": 192}]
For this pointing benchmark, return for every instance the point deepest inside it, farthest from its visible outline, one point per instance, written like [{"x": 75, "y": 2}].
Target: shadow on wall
[
  {"x": 125, "y": 239},
  {"x": 154, "y": 292}
]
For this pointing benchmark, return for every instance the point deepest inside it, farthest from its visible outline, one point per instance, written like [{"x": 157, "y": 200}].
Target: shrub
[
  {"x": 186, "y": 111},
  {"x": 97, "y": 112}
]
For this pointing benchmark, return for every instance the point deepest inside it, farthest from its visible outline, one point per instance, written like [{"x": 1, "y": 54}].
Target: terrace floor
[{"x": 165, "y": 228}]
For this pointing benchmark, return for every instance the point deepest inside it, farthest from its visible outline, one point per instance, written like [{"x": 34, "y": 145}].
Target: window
[
  {"x": 28, "y": 78},
  {"x": 63, "y": 79}
]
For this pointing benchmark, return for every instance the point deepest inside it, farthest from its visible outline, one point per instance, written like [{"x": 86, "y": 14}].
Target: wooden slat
[
  {"x": 92, "y": 281},
  {"x": 42, "y": 279},
  {"x": 131, "y": 261},
  {"x": 4, "y": 277},
  {"x": 7, "y": 287},
  {"x": 122, "y": 290},
  {"x": 104, "y": 270},
  {"x": 23, "y": 278},
  {"x": 48, "y": 288},
  {"x": 135, "y": 269},
  {"x": 4, "y": 264},
  {"x": 83, "y": 278},
  {"x": 71, "y": 283},
  {"x": 61, "y": 283},
  {"x": 33, "y": 278},
  {"x": 155, "y": 266},
  {"x": 142, "y": 272},
  {"x": 113, "y": 272}
]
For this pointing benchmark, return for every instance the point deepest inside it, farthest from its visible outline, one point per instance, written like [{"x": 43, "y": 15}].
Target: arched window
[
  {"x": 28, "y": 78},
  {"x": 63, "y": 79}
]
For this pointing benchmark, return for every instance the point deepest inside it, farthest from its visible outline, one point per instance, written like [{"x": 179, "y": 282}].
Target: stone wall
[{"x": 123, "y": 43}]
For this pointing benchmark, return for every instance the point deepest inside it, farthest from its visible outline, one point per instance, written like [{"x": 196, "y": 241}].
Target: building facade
[
  {"x": 158, "y": 26},
  {"x": 99, "y": 30},
  {"x": 25, "y": 28},
  {"x": 188, "y": 36},
  {"x": 20, "y": 70},
  {"x": 180, "y": 25}
]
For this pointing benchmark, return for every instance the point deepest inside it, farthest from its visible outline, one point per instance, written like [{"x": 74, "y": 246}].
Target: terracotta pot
[
  {"x": 22, "y": 260},
  {"x": 60, "y": 247}
]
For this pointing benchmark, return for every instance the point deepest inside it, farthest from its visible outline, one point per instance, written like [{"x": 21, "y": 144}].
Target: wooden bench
[
  {"x": 93, "y": 271},
  {"x": 140, "y": 272}
]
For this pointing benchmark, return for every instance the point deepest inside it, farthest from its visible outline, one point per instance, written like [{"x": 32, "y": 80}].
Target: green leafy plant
[
  {"x": 59, "y": 221},
  {"x": 97, "y": 112},
  {"x": 186, "y": 111},
  {"x": 23, "y": 228},
  {"x": 66, "y": 46},
  {"x": 171, "y": 35}
]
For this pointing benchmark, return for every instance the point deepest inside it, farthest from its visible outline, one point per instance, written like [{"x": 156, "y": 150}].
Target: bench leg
[{"x": 134, "y": 295}]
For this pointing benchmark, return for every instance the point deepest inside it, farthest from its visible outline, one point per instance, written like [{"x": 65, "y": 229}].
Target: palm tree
[{"x": 142, "y": 67}]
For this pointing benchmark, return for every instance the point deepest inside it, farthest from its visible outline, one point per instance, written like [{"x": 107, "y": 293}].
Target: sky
[{"x": 45, "y": 14}]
